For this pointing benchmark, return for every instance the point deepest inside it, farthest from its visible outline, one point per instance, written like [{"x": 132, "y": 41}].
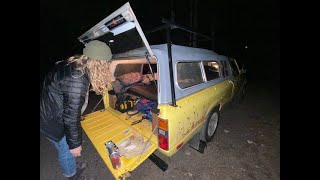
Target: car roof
[{"x": 181, "y": 53}]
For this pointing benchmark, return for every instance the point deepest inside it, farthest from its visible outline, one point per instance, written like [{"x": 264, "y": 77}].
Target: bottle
[
  {"x": 111, "y": 147},
  {"x": 115, "y": 160},
  {"x": 114, "y": 155}
]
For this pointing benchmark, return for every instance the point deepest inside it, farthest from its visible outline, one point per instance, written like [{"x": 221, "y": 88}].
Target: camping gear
[
  {"x": 144, "y": 106},
  {"x": 124, "y": 82},
  {"x": 124, "y": 104}
]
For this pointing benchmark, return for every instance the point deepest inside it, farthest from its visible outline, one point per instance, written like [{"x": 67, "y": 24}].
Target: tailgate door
[
  {"x": 110, "y": 125},
  {"x": 121, "y": 21}
]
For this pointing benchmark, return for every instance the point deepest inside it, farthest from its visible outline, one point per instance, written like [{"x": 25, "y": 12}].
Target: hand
[{"x": 76, "y": 151}]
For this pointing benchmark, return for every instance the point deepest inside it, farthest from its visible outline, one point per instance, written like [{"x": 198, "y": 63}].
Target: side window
[
  {"x": 212, "y": 70},
  {"x": 226, "y": 67},
  {"x": 234, "y": 67},
  {"x": 189, "y": 74},
  {"x": 223, "y": 71}
]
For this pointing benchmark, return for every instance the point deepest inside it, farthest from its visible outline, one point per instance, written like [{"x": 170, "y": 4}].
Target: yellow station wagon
[{"x": 189, "y": 86}]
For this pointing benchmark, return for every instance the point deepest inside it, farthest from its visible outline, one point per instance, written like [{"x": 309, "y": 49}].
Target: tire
[{"x": 211, "y": 125}]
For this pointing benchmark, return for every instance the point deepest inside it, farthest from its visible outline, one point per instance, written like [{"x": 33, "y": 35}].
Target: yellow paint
[
  {"x": 183, "y": 122},
  {"x": 106, "y": 99},
  {"x": 103, "y": 126},
  {"x": 187, "y": 118}
]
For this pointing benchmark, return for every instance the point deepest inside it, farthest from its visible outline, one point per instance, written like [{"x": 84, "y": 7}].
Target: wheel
[{"x": 211, "y": 125}]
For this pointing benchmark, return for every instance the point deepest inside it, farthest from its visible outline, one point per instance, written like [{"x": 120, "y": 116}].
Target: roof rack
[{"x": 168, "y": 26}]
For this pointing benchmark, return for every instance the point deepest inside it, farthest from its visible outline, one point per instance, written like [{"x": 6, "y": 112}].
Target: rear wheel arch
[{"x": 207, "y": 134}]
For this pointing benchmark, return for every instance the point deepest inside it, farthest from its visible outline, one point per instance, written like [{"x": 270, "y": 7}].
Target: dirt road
[{"x": 246, "y": 146}]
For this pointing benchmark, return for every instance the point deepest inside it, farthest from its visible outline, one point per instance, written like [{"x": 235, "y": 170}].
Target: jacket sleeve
[{"x": 74, "y": 91}]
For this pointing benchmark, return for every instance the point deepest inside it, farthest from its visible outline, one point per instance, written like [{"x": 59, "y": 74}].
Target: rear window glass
[{"x": 189, "y": 74}]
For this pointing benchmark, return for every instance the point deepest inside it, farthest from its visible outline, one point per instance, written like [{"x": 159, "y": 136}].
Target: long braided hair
[{"x": 98, "y": 72}]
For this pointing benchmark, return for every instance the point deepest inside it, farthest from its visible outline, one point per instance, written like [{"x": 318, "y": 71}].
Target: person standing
[{"x": 63, "y": 99}]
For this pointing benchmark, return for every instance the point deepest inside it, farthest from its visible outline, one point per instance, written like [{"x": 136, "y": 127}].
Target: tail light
[{"x": 163, "y": 135}]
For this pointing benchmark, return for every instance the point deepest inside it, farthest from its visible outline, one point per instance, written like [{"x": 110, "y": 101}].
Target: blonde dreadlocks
[
  {"x": 80, "y": 62},
  {"x": 100, "y": 75},
  {"x": 98, "y": 72}
]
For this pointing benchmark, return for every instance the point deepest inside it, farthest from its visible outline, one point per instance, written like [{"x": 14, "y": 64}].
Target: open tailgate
[
  {"x": 110, "y": 125},
  {"x": 120, "y": 21}
]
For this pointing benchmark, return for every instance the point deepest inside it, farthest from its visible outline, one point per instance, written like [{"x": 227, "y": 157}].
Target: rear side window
[
  {"x": 189, "y": 74},
  {"x": 212, "y": 70}
]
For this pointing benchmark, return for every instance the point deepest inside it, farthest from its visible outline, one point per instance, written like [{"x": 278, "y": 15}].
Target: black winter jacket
[{"x": 63, "y": 93}]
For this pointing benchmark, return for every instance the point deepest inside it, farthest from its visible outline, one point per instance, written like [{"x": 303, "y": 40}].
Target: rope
[
  {"x": 97, "y": 105},
  {"x": 147, "y": 143}
]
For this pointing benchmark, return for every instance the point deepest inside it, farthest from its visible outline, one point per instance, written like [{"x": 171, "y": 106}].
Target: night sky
[{"x": 236, "y": 24}]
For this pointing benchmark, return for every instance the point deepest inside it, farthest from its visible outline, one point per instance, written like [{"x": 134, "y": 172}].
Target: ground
[{"x": 246, "y": 146}]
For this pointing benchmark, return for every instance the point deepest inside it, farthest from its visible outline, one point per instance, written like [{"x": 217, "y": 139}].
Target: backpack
[{"x": 144, "y": 106}]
